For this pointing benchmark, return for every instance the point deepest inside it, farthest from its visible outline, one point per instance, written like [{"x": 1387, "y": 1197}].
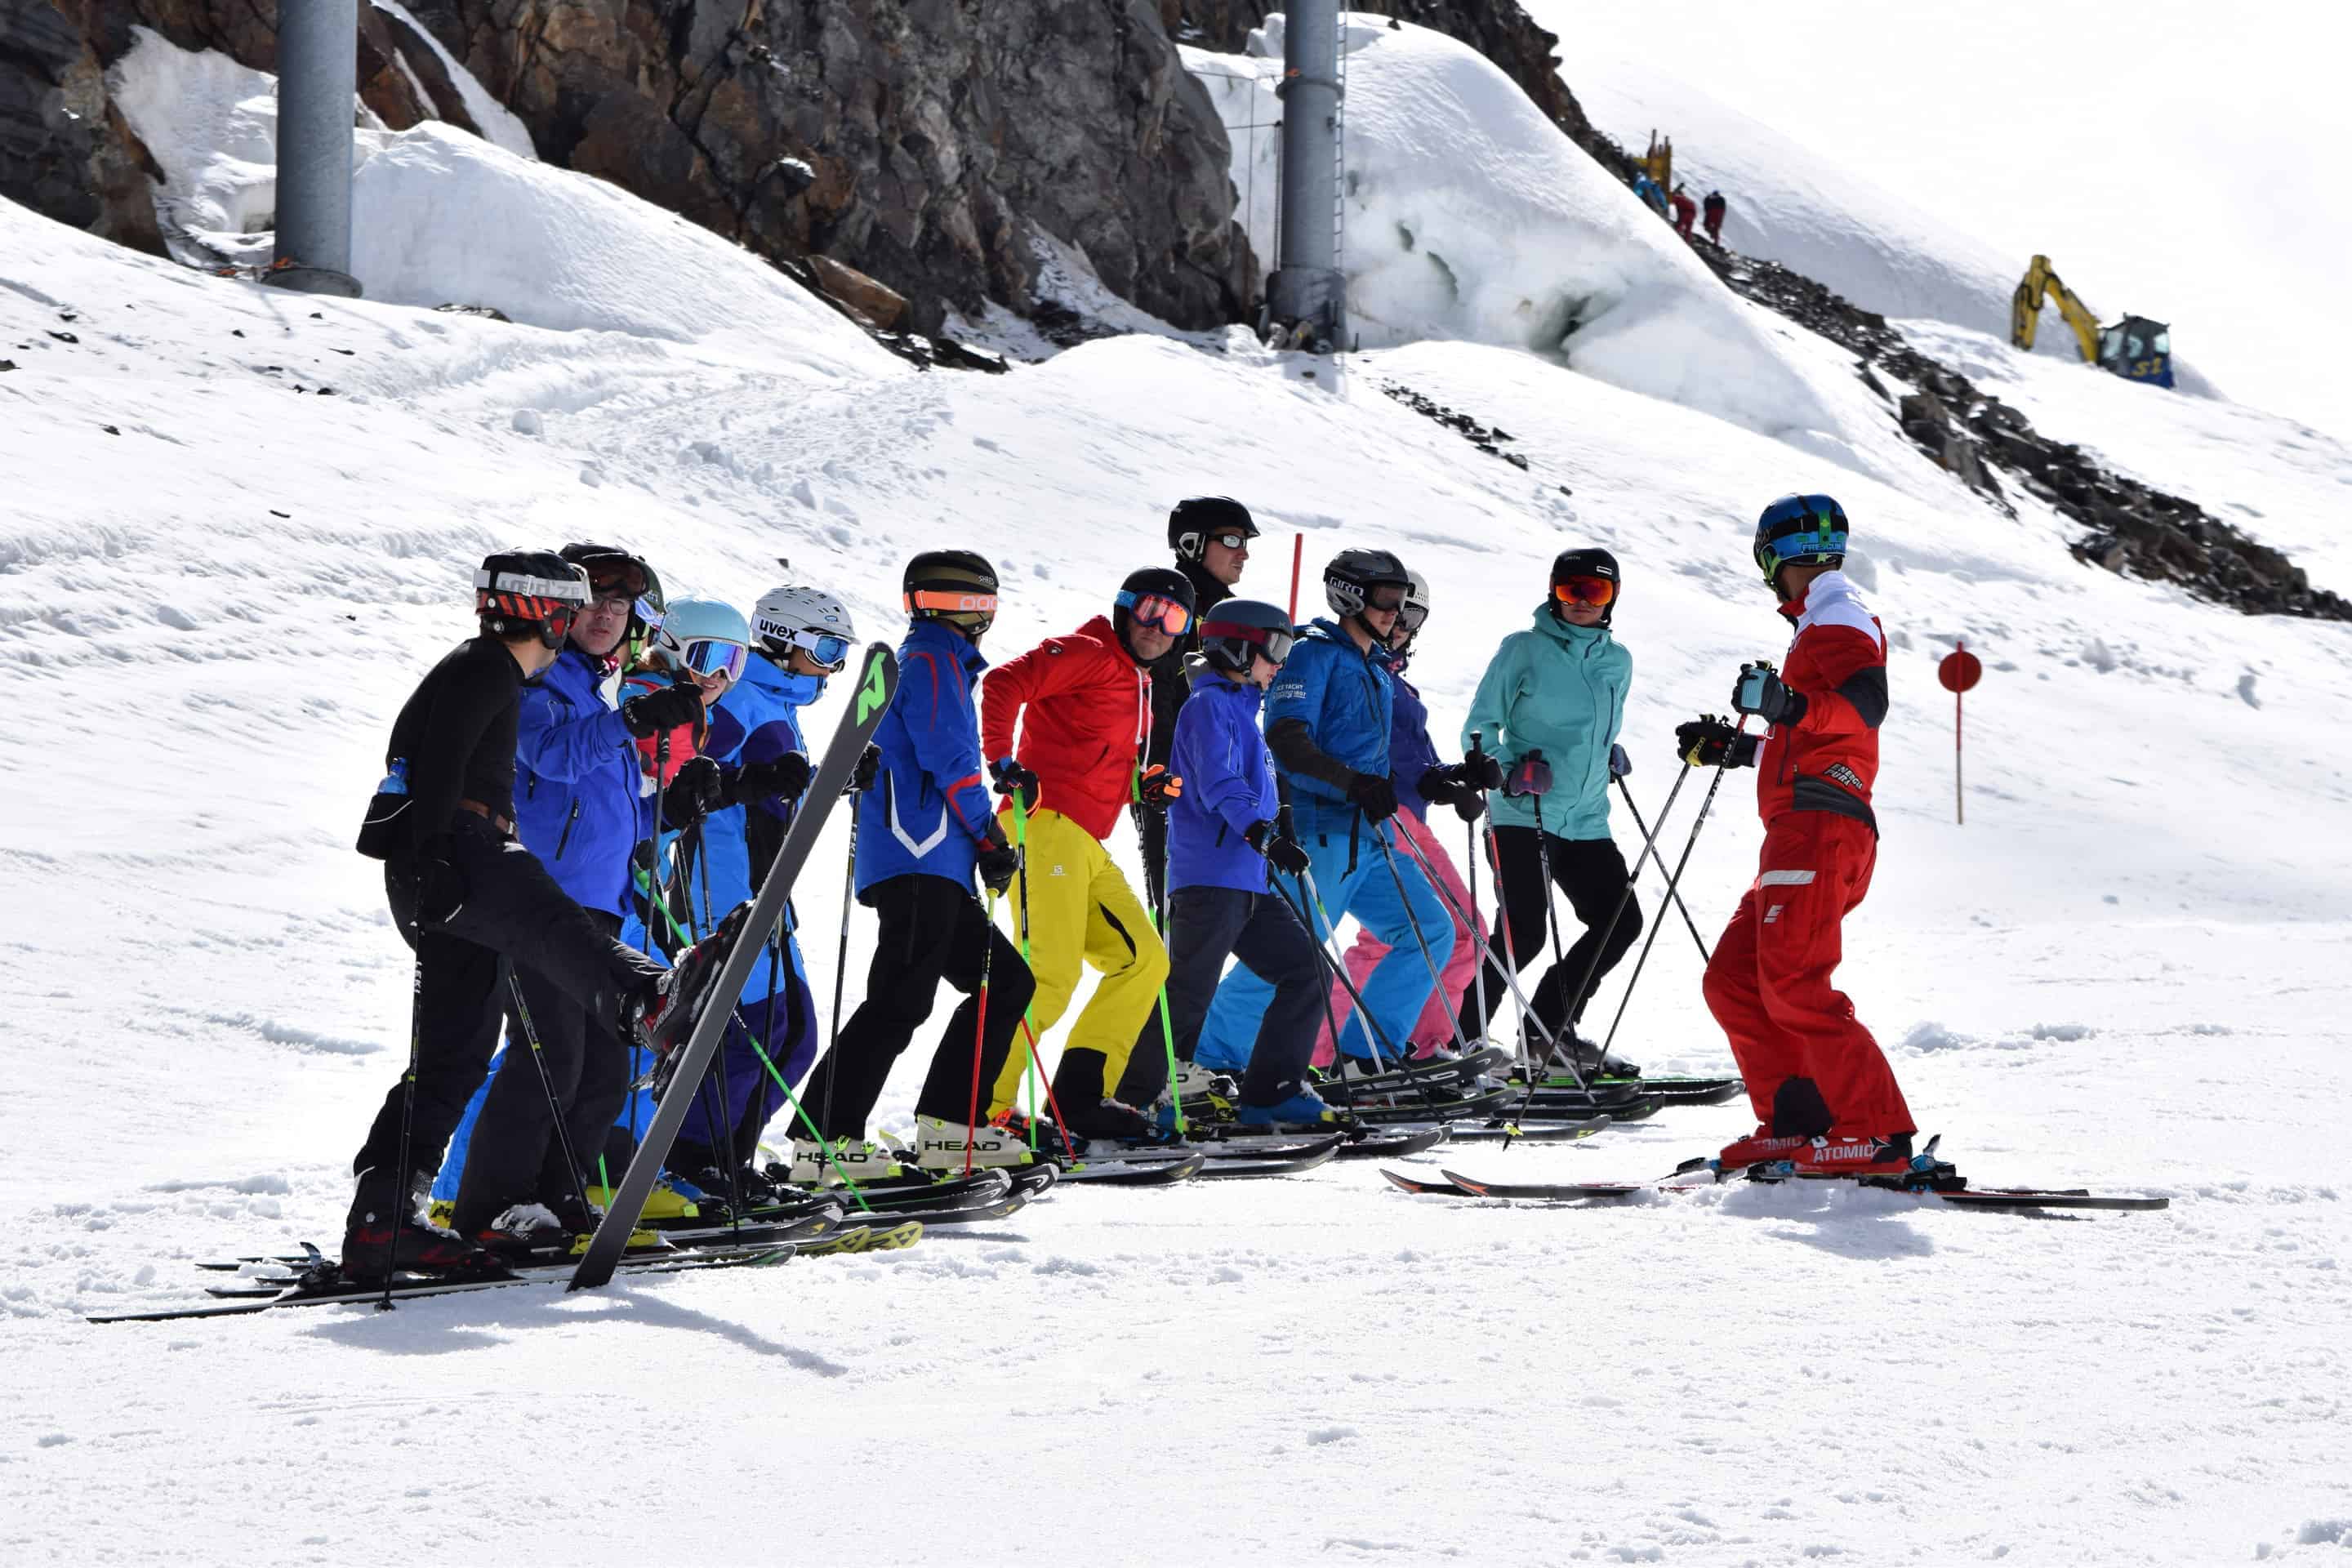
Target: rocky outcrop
[{"x": 915, "y": 143}]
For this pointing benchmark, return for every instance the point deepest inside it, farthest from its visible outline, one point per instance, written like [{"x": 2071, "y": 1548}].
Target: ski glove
[
  {"x": 1759, "y": 692},
  {"x": 786, "y": 777},
  {"x": 440, "y": 886},
  {"x": 1620, "y": 765},
  {"x": 1530, "y": 775},
  {"x": 694, "y": 791},
  {"x": 1441, "y": 787},
  {"x": 1708, "y": 742},
  {"x": 999, "y": 862},
  {"x": 1282, "y": 851},
  {"x": 658, "y": 712},
  {"x": 1479, "y": 771},
  {"x": 1470, "y": 805},
  {"x": 1374, "y": 795},
  {"x": 1009, "y": 778},
  {"x": 869, "y": 768},
  {"x": 1158, "y": 788}
]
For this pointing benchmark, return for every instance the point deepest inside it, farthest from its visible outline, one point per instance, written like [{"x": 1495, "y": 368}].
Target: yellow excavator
[{"x": 2135, "y": 348}]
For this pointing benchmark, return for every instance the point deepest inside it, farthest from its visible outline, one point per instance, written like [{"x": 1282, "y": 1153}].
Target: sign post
[{"x": 1958, "y": 671}]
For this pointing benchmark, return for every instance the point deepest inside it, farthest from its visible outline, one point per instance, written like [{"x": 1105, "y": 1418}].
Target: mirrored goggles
[
  {"x": 1598, "y": 591},
  {"x": 823, "y": 648},
  {"x": 1156, "y": 610},
  {"x": 1412, "y": 616},
  {"x": 710, "y": 656}
]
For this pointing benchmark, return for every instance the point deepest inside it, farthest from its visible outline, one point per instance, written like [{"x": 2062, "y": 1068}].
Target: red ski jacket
[
  {"x": 1830, "y": 759},
  {"x": 1089, "y": 712}
]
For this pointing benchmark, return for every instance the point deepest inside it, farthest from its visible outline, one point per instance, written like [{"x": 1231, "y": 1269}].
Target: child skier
[
  {"x": 1328, "y": 717},
  {"x": 922, "y": 832},
  {"x": 1221, "y": 839},
  {"x": 1083, "y": 705},
  {"x": 1824, "y": 1094},
  {"x": 1549, "y": 711},
  {"x": 469, "y": 899}
]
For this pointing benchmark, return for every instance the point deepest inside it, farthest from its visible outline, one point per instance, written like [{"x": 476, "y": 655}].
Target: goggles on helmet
[
  {"x": 1384, "y": 596},
  {"x": 1598, "y": 591},
  {"x": 1158, "y": 610},
  {"x": 952, "y": 601},
  {"x": 710, "y": 655},
  {"x": 823, "y": 647},
  {"x": 1268, "y": 642}
]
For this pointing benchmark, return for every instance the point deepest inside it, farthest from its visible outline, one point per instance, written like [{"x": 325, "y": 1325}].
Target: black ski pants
[
  {"x": 1593, "y": 873},
  {"x": 932, "y": 929},
  {"x": 513, "y": 914},
  {"x": 514, "y": 1156},
  {"x": 1205, "y": 927}
]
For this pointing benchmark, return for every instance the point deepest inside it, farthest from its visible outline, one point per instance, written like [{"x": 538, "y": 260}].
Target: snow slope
[{"x": 2125, "y": 971}]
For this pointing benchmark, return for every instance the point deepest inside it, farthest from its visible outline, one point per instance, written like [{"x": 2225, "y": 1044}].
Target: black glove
[
  {"x": 694, "y": 791},
  {"x": 869, "y": 768},
  {"x": 1759, "y": 692},
  {"x": 658, "y": 712},
  {"x": 1708, "y": 742},
  {"x": 1374, "y": 795},
  {"x": 1008, "y": 778},
  {"x": 1470, "y": 805},
  {"x": 1441, "y": 786},
  {"x": 1479, "y": 771},
  {"x": 1282, "y": 852},
  {"x": 1530, "y": 775},
  {"x": 999, "y": 862},
  {"x": 440, "y": 885},
  {"x": 1158, "y": 788},
  {"x": 786, "y": 776},
  {"x": 1620, "y": 765}
]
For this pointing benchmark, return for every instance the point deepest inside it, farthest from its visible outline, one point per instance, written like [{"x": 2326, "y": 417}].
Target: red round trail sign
[{"x": 1959, "y": 670}]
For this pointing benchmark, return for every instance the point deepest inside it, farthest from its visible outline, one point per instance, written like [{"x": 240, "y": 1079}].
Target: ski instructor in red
[{"x": 1825, "y": 1099}]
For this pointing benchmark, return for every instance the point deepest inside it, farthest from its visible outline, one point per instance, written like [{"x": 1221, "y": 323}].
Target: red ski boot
[
  {"x": 1759, "y": 1147},
  {"x": 1846, "y": 1154}
]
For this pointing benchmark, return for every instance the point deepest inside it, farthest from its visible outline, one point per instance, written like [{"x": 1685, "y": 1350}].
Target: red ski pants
[{"x": 1768, "y": 983}]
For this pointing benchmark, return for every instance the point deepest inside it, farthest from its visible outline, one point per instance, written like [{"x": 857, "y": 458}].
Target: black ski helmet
[
  {"x": 1349, "y": 579},
  {"x": 1195, "y": 518},
  {"x": 1587, "y": 562},
  {"x": 1151, "y": 581},
  {"x": 518, "y": 591},
  {"x": 1807, "y": 530},
  {"x": 952, "y": 585},
  {"x": 1238, "y": 629},
  {"x": 610, "y": 569}
]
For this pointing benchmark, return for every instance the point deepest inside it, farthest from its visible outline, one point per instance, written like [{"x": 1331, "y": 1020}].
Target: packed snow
[{"x": 242, "y": 524}]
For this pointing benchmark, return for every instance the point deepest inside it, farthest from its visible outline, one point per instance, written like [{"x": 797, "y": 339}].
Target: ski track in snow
[{"x": 2124, "y": 973}]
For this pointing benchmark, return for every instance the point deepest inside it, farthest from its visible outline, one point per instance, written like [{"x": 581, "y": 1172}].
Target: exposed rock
[{"x": 878, "y": 307}]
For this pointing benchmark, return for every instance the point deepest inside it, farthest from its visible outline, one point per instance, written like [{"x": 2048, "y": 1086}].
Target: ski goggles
[
  {"x": 951, "y": 601},
  {"x": 1823, "y": 540},
  {"x": 712, "y": 656},
  {"x": 1598, "y": 591},
  {"x": 1384, "y": 596},
  {"x": 823, "y": 648},
  {"x": 1159, "y": 610},
  {"x": 1272, "y": 645}
]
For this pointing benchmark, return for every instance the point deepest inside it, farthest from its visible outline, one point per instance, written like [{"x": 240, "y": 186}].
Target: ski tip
[{"x": 1475, "y": 1189}]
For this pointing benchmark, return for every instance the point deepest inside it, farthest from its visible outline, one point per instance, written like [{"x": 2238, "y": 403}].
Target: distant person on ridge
[
  {"x": 1210, "y": 535},
  {"x": 1714, "y": 207},
  {"x": 1686, "y": 211},
  {"x": 1824, "y": 1094},
  {"x": 1652, "y": 197}
]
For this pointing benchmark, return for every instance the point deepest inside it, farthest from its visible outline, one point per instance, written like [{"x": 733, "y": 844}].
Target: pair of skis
[{"x": 1452, "y": 1184}]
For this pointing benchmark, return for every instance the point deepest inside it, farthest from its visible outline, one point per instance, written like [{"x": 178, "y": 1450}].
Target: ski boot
[
  {"x": 855, "y": 1158},
  {"x": 384, "y": 1235},
  {"x": 1848, "y": 1155},
  {"x": 1760, "y": 1147},
  {"x": 942, "y": 1145},
  {"x": 521, "y": 1230},
  {"x": 1306, "y": 1109}
]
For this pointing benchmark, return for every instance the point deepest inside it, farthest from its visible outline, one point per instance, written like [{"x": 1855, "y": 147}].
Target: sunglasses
[
  {"x": 823, "y": 648},
  {"x": 1598, "y": 591},
  {"x": 1231, "y": 541},
  {"x": 710, "y": 656},
  {"x": 1168, "y": 615}
]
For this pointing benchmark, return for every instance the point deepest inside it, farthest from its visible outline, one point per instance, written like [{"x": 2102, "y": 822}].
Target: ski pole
[
  {"x": 1029, "y": 1016},
  {"x": 1558, "y": 974},
  {"x": 407, "y": 1182},
  {"x": 1329, "y": 931},
  {"x": 1477, "y": 933},
  {"x": 1488, "y": 959},
  {"x": 1337, "y": 969},
  {"x": 841, "y": 959},
  {"x": 1592, "y": 967},
  {"x": 1160, "y": 930},
  {"x": 1436, "y": 978},
  {"x": 1706, "y": 804},
  {"x": 1704, "y": 957},
  {"x": 547, "y": 1083},
  {"x": 979, "y": 1034}
]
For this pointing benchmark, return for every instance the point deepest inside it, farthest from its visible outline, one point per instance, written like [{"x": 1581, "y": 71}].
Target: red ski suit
[
  {"x": 1088, "y": 711},
  {"x": 1769, "y": 982}
]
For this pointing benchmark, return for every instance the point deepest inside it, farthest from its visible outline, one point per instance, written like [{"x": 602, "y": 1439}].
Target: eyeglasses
[
  {"x": 1231, "y": 541},
  {"x": 1168, "y": 615},
  {"x": 710, "y": 656},
  {"x": 1598, "y": 591},
  {"x": 823, "y": 648},
  {"x": 614, "y": 596}
]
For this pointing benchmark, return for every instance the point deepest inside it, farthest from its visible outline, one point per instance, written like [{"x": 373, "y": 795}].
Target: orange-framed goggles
[
  {"x": 1168, "y": 615},
  {"x": 951, "y": 601},
  {"x": 1598, "y": 591}
]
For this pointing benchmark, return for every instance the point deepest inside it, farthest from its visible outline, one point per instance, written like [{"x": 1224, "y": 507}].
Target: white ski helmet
[
  {"x": 704, "y": 635},
  {"x": 809, "y": 619}
]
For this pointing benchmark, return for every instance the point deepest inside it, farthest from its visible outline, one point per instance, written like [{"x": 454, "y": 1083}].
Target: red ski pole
[{"x": 1297, "y": 554}]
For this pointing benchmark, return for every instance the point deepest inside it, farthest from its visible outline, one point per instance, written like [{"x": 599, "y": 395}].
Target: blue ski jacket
[
  {"x": 578, "y": 800},
  {"x": 1558, "y": 689},
  {"x": 1344, "y": 699},
  {"x": 1411, "y": 752},
  {"x": 757, "y": 721},
  {"x": 928, "y": 810},
  {"x": 1228, "y": 777}
]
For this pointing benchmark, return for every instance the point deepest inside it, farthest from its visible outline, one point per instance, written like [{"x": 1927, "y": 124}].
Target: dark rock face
[{"x": 915, "y": 141}]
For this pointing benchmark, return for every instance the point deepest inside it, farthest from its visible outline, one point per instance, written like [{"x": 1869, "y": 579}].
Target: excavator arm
[{"x": 2041, "y": 283}]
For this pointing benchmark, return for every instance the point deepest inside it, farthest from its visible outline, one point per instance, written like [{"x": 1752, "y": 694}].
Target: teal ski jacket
[{"x": 1558, "y": 689}]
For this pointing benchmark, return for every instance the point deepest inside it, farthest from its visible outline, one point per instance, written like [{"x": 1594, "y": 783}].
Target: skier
[
  {"x": 1652, "y": 196},
  {"x": 1210, "y": 535},
  {"x": 469, "y": 899},
  {"x": 1223, "y": 836},
  {"x": 1327, "y": 722},
  {"x": 1549, "y": 708},
  {"x": 1082, "y": 703},
  {"x": 1413, "y": 757},
  {"x": 922, "y": 832},
  {"x": 1824, "y": 1094},
  {"x": 577, "y": 797},
  {"x": 1686, "y": 211},
  {"x": 1714, "y": 208}
]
